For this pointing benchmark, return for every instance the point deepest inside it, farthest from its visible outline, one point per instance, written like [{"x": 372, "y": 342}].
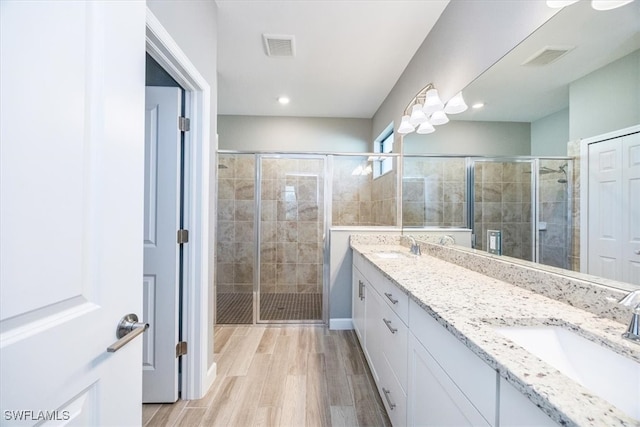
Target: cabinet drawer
[
  {"x": 394, "y": 297},
  {"x": 475, "y": 378},
  {"x": 394, "y": 334},
  {"x": 393, "y": 396},
  {"x": 391, "y": 294}
]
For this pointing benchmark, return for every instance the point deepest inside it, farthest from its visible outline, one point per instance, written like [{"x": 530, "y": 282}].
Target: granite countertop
[{"x": 471, "y": 305}]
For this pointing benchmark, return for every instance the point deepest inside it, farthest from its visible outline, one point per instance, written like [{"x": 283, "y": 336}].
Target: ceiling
[
  {"x": 517, "y": 93},
  {"x": 349, "y": 54}
]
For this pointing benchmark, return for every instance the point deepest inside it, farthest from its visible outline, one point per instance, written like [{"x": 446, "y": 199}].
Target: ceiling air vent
[
  {"x": 547, "y": 55},
  {"x": 278, "y": 45}
]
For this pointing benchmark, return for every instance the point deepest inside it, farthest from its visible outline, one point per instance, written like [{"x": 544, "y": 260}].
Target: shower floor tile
[
  {"x": 291, "y": 306},
  {"x": 236, "y": 308}
]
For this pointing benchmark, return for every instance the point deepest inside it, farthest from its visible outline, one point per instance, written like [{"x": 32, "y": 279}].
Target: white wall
[
  {"x": 469, "y": 37},
  {"x": 192, "y": 24},
  {"x": 607, "y": 99},
  {"x": 312, "y": 134},
  {"x": 550, "y": 134},
  {"x": 472, "y": 138}
]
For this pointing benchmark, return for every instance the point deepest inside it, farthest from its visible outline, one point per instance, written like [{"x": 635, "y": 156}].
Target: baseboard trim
[{"x": 340, "y": 324}]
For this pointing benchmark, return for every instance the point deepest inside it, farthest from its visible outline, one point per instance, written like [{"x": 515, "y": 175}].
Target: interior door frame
[
  {"x": 197, "y": 376},
  {"x": 584, "y": 187}
]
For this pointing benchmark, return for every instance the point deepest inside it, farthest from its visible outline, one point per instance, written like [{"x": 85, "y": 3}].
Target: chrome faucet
[
  {"x": 633, "y": 300},
  {"x": 415, "y": 248},
  {"x": 447, "y": 240}
]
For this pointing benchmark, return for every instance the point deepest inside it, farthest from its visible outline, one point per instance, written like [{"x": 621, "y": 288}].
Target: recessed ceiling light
[
  {"x": 284, "y": 100},
  {"x": 478, "y": 105}
]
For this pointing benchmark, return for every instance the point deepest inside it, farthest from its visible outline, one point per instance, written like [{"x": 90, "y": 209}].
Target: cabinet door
[
  {"x": 373, "y": 328},
  {"x": 433, "y": 398},
  {"x": 358, "y": 308},
  {"x": 518, "y": 411}
]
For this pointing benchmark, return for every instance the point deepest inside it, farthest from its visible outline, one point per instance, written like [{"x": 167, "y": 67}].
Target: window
[{"x": 383, "y": 144}]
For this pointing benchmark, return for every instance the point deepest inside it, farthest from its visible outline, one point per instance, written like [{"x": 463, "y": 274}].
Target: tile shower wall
[
  {"x": 573, "y": 150},
  {"x": 502, "y": 201},
  {"x": 236, "y": 212},
  {"x": 292, "y": 225},
  {"x": 384, "y": 197},
  {"x": 554, "y": 242},
  {"x": 352, "y": 182},
  {"x": 434, "y": 192}
]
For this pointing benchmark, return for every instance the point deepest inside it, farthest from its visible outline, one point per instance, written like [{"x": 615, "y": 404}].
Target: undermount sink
[
  {"x": 391, "y": 255},
  {"x": 604, "y": 372}
]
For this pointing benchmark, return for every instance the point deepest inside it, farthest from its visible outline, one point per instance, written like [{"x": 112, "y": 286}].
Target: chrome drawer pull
[
  {"x": 388, "y": 323},
  {"x": 391, "y": 298},
  {"x": 386, "y": 396}
]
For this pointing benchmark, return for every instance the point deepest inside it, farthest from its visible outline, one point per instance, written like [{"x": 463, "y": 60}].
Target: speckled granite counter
[{"x": 471, "y": 305}]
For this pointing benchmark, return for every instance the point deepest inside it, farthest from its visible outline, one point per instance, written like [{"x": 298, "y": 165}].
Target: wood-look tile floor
[{"x": 281, "y": 376}]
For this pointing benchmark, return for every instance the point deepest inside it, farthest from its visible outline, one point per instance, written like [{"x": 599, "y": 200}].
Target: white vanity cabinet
[
  {"x": 383, "y": 334},
  {"x": 425, "y": 375}
]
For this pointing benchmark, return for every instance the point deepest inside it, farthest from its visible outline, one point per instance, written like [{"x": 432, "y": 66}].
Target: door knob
[
  {"x": 637, "y": 251},
  {"x": 128, "y": 328}
]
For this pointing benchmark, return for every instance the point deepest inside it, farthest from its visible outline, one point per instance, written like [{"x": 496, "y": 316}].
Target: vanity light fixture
[
  {"x": 608, "y": 4},
  {"x": 477, "y": 105},
  {"x": 456, "y": 105},
  {"x": 439, "y": 118},
  {"x": 596, "y": 4},
  {"x": 427, "y": 110},
  {"x": 557, "y": 4}
]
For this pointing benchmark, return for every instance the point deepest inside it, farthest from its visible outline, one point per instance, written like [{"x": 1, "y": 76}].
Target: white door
[
  {"x": 614, "y": 209},
  {"x": 605, "y": 195},
  {"x": 71, "y": 177},
  {"x": 631, "y": 208},
  {"x": 161, "y": 251}
]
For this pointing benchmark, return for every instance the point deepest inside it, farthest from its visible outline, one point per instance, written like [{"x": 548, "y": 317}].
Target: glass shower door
[{"x": 291, "y": 227}]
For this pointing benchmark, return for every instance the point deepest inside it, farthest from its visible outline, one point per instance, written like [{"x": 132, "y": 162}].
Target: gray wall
[
  {"x": 469, "y": 37},
  {"x": 193, "y": 26},
  {"x": 472, "y": 138},
  {"x": 319, "y": 134},
  {"x": 607, "y": 99},
  {"x": 550, "y": 134}
]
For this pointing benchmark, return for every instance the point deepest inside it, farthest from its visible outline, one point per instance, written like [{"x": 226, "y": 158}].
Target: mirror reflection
[{"x": 576, "y": 77}]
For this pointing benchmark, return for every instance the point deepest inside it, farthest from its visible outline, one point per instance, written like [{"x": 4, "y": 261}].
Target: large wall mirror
[{"x": 576, "y": 77}]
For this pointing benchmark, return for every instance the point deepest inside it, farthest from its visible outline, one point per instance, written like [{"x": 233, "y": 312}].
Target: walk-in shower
[
  {"x": 271, "y": 224},
  {"x": 274, "y": 213},
  {"x": 527, "y": 199}
]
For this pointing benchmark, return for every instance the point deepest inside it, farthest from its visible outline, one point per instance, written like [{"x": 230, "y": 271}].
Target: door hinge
[
  {"x": 181, "y": 348},
  {"x": 184, "y": 124},
  {"x": 183, "y": 236}
]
